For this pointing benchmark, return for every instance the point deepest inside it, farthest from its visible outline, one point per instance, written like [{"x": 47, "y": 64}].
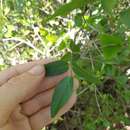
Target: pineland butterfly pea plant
[
  {"x": 64, "y": 88},
  {"x": 91, "y": 36},
  {"x": 105, "y": 73}
]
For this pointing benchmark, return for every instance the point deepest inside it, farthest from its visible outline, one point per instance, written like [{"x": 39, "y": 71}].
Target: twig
[
  {"x": 76, "y": 35},
  {"x": 91, "y": 60},
  {"x": 97, "y": 48},
  {"x": 59, "y": 41},
  {"x": 97, "y": 101},
  {"x": 86, "y": 58},
  {"x": 81, "y": 92},
  {"x": 15, "y": 46},
  {"x": 36, "y": 34},
  {"x": 27, "y": 42}
]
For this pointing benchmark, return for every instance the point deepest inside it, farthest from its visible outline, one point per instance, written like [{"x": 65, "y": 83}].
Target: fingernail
[{"x": 37, "y": 70}]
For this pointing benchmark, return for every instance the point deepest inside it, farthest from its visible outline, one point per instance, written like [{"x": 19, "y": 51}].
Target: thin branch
[
  {"x": 36, "y": 34},
  {"x": 83, "y": 91},
  {"x": 27, "y": 42},
  {"x": 98, "y": 105},
  {"x": 91, "y": 60},
  {"x": 86, "y": 58},
  {"x": 15, "y": 46},
  {"x": 97, "y": 48},
  {"x": 76, "y": 35},
  {"x": 59, "y": 41}
]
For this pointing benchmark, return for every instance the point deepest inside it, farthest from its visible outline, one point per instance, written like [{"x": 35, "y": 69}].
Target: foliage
[
  {"x": 61, "y": 95},
  {"x": 63, "y": 90},
  {"x": 56, "y": 68},
  {"x": 93, "y": 36}
]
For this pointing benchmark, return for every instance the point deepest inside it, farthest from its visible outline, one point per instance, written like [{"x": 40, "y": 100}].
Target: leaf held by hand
[
  {"x": 61, "y": 95},
  {"x": 56, "y": 68}
]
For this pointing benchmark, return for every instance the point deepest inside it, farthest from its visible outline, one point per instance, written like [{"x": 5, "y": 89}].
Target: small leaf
[
  {"x": 67, "y": 8},
  {"x": 127, "y": 95},
  {"x": 108, "y": 5},
  {"x": 66, "y": 57},
  {"x": 110, "y": 70},
  {"x": 111, "y": 45},
  {"x": 78, "y": 20},
  {"x": 56, "y": 68},
  {"x": 121, "y": 80},
  {"x": 125, "y": 17},
  {"x": 61, "y": 95},
  {"x": 62, "y": 46},
  {"x": 85, "y": 75},
  {"x": 19, "y": 5},
  {"x": 51, "y": 38},
  {"x": 74, "y": 47}
]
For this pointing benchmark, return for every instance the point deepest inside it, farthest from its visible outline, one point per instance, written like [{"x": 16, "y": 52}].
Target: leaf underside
[{"x": 61, "y": 95}]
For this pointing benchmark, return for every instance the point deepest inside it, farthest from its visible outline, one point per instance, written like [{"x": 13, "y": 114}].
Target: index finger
[{"x": 5, "y": 75}]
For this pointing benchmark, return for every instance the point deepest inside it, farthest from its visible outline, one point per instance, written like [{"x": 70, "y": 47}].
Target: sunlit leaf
[{"x": 52, "y": 38}]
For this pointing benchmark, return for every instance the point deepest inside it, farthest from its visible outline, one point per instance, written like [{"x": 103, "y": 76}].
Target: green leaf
[
  {"x": 56, "y": 68},
  {"x": 125, "y": 17},
  {"x": 121, "y": 80},
  {"x": 3, "y": 20},
  {"x": 111, "y": 45},
  {"x": 85, "y": 75},
  {"x": 61, "y": 95},
  {"x": 74, "y": 47},
  {"x": 110, "y": 70},
  {"x": 109, "y": 5},
  {"x": 51, "y": 38},
  {"x": 78, "y": 20},
  {"x": 75, "y": 57},
  {"x": 127, "y": 95},
  {"x": 67, "y": 8},
  {"x": 62, "y": 45},
  {"x": 20, "y": 5},
  {"x": 66, "y": 57}
]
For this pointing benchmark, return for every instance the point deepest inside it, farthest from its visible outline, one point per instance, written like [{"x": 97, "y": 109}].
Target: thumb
[{"x": 16, "y": 89}]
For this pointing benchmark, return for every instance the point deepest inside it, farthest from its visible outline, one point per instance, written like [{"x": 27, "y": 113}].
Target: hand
[{"x": 25, "y": 97}]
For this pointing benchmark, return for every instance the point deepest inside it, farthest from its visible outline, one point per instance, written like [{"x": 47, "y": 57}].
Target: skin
[{"x": 25, "y": 96}]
